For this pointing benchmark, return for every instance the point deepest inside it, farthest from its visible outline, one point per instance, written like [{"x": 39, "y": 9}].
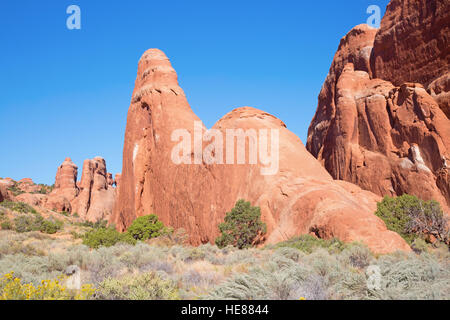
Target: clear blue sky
[{"x": 65, "y": 93}]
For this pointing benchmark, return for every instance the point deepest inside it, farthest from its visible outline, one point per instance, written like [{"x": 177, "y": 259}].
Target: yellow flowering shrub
[{"x": 11, "y": 288}]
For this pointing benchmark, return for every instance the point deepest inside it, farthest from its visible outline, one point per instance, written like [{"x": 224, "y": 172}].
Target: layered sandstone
[
  {"x": 96, "y": 197},
  {"x": 388, "y": 138},
  {"x": 92, "y": 198},
  {"x": 300, "y": 197},
  {"x": 412, "y": 44},
  {"x": 65, "y": 189},
  {"x": 5, "y": 184}
]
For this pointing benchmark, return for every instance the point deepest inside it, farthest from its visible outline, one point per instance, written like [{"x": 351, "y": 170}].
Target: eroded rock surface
[
  {"x": 388, "y": 138},
  {"x": 96, "y": 197},
  {"x": 301, "y": 197}
]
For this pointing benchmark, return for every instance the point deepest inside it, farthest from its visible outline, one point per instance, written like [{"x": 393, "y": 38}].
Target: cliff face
[
  {"x": 294, "y": 191},
  {"x": 389, "y": 138},
  {"x": 412, "y": 44}
]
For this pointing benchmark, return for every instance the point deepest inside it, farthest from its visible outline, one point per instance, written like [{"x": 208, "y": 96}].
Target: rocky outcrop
[
  {"x": 109, "y": 179},
  {"x": 33, "y": 199},
  {"x": 439, "y": 89},
  {"x": 412, "y": 44},
  {"x": 96, "y": 197},
  {"x": 92, "y": 197},
  {"x": 5, "y": 184},
  {"x": 3, "y": 193},
  {"x": 388, "y": 138},
  {"x": 196, "y": 192},
  {"x": 27, "y": 185},
  {"x": 65, "y": 189}
]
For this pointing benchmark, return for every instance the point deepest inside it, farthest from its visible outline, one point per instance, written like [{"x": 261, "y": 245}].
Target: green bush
[
  {"x": 6, "y": 225},
  {"x": 27, "y": 223},
  {"x": 242, "y": 227},
  {"x": 105, "y": 237},
  {"x": 50, "y": 227},
  {"x": 147, "y": 227},
  {"x": 99, "y": 224},
  {"x": 413, "y": 218},
  {"x": 307, "y": 243},
  {"x": 18, "y": 207},
  {"x": 419, "y": 246}
]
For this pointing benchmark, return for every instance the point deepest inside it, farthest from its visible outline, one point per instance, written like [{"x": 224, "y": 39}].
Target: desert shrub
[
  {"x": 15, "y": 247},
  {"x": 158, "y": 266},
  {"x": 27, "y": 223},
  {"x": 413, "y": 277},
  {"x": 6, "y": 225},
  {"x": 147, "y": 227},
  {"x": 99, "y": 224},
  {"x": 141, "y": 256},
  {"x": 276, "y": 278},
  {"x": 412, "y": 217},
  {"x": 106, "y": 237},
  {"x": 289, "y": 253},
  {"x": 50, "y": 227},
  {"x": 103, "y": 264},
  {"x": 11, "y": 288},
  {"x": 18, "y": 207},
  {"x": 44, "y": 189},
  {"x": 307, "y": 243},
  {"x": 206, "y": 252},
  {"x": 76, "y": 255},
  {"x": 242, "y": 227},
  {"x": 358, "y": 256},
  {"x": 147, "y": 286},
  {"x": 312, "y": 288},
  {"x": 204, "y": 279},
  {"x": 245, "y": 256},
  {"x": 419, "y": 245}
]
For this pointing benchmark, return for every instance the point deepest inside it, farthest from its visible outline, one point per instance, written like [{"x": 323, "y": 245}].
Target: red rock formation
[
  {"x": 387, "y": 139},
  {"x": 33, "y": 199},
  {"x": 65, "y": 187},
  {"x": 117, "y": 178},
  {"x": 439, "y": 89},
  {"x": 27, "y": 185},
  {"x": 5, "y": 184},
  {"x": 300, "y": 198},
  {"x": 412, "y": 43},
  {"x": 3, "y": 192},
  {"x": 109, "y": 179},
  {"x": 96, "y": 197}
]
